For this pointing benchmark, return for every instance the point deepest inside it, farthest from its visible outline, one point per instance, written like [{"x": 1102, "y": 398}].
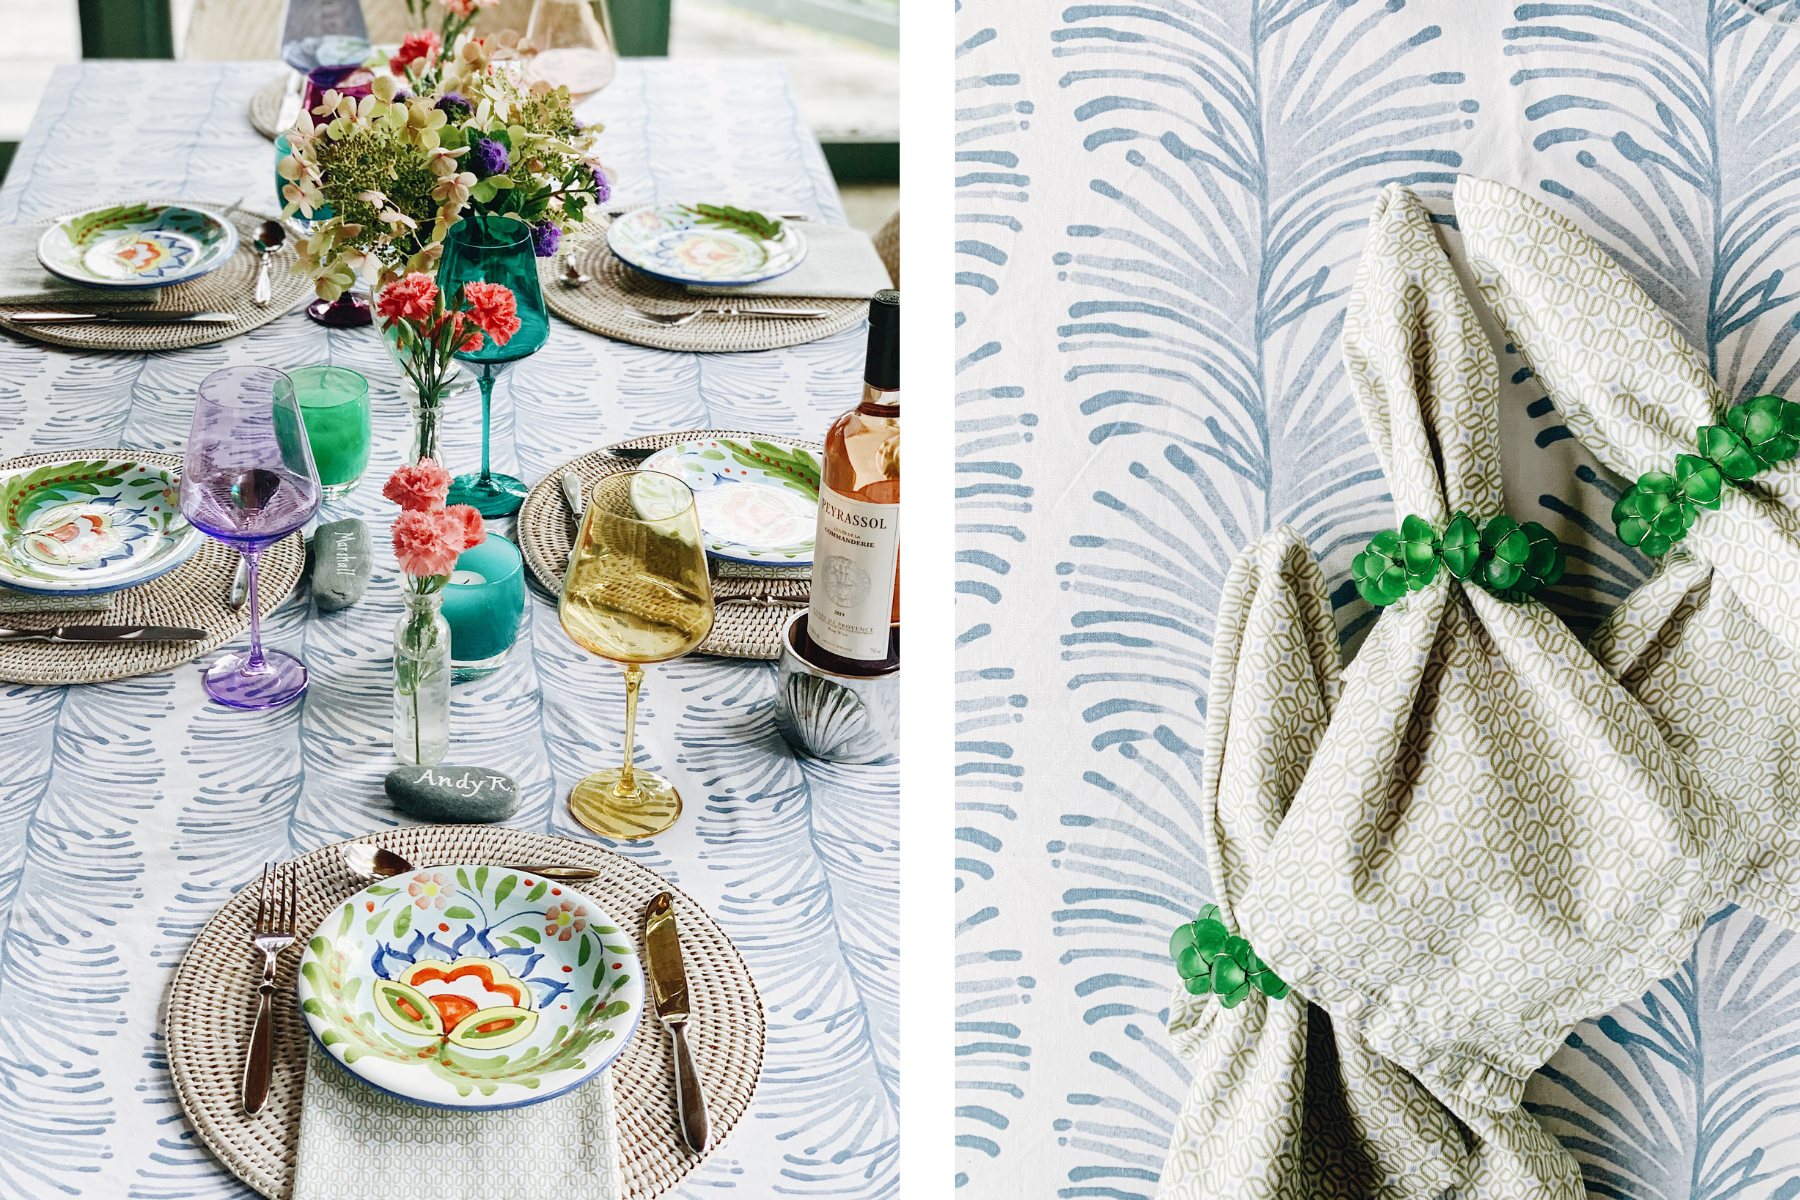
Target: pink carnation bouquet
[
  {"x": 428, "y": 538},
  {"x": 428, "y": 329}
]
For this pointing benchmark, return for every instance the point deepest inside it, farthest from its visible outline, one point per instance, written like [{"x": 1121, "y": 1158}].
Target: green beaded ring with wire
[
  {"x": 1509, "y": 559},
  {"x": 1658, "y": 510},
  {"x": 1212, "y": 961}
]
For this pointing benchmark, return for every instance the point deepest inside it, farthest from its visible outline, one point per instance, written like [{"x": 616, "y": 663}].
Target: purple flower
[
  {"x": 454, "y": 105},
  {"x": 602, "y": 189},
  {"x": 488, "y": 157},
  {"x": 544, "y": 238}
]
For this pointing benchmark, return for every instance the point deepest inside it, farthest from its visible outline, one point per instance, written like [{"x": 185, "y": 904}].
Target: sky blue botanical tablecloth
[
  {"x": 1160, "y": 208},
  {"x": 129, "y": 812}
]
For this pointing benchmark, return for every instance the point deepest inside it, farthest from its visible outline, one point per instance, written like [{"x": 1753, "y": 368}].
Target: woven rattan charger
[
  {"x": 212, "y": 1001},
  {"x": 603, "y": 305},
  {"x": 230, "y": 289},
  {"x": 747, "y": 613},
  {"x": 191, "y": 596},
  {"x": 265, "y": 105}
]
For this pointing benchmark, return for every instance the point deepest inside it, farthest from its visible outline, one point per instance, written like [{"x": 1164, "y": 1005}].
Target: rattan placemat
[
  {"x": 212, "y": 1001},
  {"x": 747, "y": 613},
  {"x": 603, "y": 305},
  {"x": 265, "y": 105},
  {"x": 191, "y": 596},
  {"x": 228, "y": 289}
]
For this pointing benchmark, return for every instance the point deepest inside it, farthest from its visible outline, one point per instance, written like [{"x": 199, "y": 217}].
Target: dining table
[{"x": 131, "y": 811}]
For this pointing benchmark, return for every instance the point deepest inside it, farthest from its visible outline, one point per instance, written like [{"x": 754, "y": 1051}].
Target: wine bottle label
[{"x": 853, "y": 576}]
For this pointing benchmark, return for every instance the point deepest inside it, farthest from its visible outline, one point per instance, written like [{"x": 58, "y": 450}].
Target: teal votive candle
[
  {"x": 484, "y": 604},
  {"x": 334, "y": 404}
]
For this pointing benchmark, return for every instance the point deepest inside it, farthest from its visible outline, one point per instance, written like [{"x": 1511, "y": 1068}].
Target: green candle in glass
[
  {"x": 334, "y": 404},
  {"x": 484, "y": 604}
]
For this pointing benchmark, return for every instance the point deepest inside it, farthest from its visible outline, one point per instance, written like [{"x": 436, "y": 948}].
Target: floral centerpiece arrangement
[
  {"x": 428, "y": 538},
  {"x": 429, "y": 331},
  {"x": 459, "y": 132}
]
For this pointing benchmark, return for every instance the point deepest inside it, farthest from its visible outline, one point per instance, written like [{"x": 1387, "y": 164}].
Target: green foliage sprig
[{"x": 1658, "y": 510}]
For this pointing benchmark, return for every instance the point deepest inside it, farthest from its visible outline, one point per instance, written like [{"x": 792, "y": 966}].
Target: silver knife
[
  {"x": 73, "y": 634},
  {"x": 123, "y": 317},
  {"x": 668, "y": 985}
]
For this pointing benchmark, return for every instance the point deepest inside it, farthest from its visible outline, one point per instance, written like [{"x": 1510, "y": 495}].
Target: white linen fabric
[
  {"x": 360, "y": 1144},
  {"x": 130, "y": 811}
]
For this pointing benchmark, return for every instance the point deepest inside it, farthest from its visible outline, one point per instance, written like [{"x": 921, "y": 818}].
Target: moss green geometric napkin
[
  {"x": 1711, "y": 643},
  {"x": 1493, "y": 841},
  {"x": 1282, "y": 1104}
]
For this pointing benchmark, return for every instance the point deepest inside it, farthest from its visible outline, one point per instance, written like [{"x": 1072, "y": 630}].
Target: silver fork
[
  {"x": 276, "y": 901},
  {"x": 726, "y": 312}
]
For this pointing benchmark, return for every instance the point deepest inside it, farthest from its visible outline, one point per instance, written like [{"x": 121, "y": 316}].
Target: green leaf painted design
[
  {"x": 481, "y": 877},
  {"x": 403, "y": 922},
  {"x": 462, "y": 877},
  {"x": 460, "y": 913},
  {"x": 528, "y": 933},
  {"x": 537, "y": 892},
  {"x": 796, "y": 467},
  {"x": 505, "y": 887},
  {"x": 585, "y": 952}
]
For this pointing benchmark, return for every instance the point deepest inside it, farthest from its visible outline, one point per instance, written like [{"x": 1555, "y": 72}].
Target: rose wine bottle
[{"x": 852, "y": 626}]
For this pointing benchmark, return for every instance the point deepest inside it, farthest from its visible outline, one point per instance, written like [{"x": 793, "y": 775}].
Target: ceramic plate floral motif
[
  {"x": 471, "y": 988},
  {"x": 137, "y": 246},
  {"x": 87, "y": 527},
  {"x": 704, "y": 243},
  {"x": 758, "y": 500}
]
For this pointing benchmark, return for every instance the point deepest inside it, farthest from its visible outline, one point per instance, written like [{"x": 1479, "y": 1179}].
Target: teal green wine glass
[{"x": 495, "y": 249}]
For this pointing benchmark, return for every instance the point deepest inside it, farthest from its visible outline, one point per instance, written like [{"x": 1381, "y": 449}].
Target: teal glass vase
[{"x": 495, "y": 249}]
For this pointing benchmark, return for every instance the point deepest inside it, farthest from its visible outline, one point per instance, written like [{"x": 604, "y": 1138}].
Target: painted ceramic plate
[
  {"x": 758, "y": 500},
  {"x": 705, "y": 243},
  {"x": 80, "y": 528},
  {"x": 137, "y": 246},
  {"x": 471, "y": 988}
]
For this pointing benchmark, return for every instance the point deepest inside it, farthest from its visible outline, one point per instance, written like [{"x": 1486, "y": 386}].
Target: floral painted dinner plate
[
  {"x": 129, "y": 246},
  {"x": 706, "y": 243},
  {"x": 82, "y": 528},
  {"x": 471, "y": 987},
  {"x": 758, "y": 499}
]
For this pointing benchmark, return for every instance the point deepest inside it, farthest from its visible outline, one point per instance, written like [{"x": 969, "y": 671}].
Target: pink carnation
[
  {"x": 463, "y": 8},
  {"x": 474, "y": 530},
  {"x": 420, "y": 487},
  {"x": 428, "y": 543},
  {"x": 494, "y": 309},
  {"x": 420, "y": 46},
  {"x": 410, "y": 297}
]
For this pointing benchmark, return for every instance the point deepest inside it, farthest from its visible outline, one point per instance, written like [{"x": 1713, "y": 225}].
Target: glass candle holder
[
  {"x": 484, "y": 602},
  {"x": 334, "y": 404}
]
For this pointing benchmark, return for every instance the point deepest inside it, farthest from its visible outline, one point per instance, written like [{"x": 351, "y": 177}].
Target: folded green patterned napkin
[
  {"x": 1283, "y": 1103},
  {"x": 1493, "y": 841},
  {"x": 24, "y": 281},
  {"x": 1711, "y": 643},
  {"x": 359, "y": 1144}
]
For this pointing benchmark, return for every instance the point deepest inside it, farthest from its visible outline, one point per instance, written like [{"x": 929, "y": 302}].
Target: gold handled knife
[{"x": 668, "y": 988}]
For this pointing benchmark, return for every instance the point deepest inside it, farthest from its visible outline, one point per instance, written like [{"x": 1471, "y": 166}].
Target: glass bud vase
[
  {"x": 422, "y": 680},
  {"x": 427, "y": 411}
]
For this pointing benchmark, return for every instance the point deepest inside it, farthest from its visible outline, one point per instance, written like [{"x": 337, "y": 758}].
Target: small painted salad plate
[
  {"x": 82, "y": 528},
  {"x": 473, "y": 988},
  {"x": 129, "y": 246},
  {"x": 706, "y": 243},
  {"x": 758, "y": 499}
]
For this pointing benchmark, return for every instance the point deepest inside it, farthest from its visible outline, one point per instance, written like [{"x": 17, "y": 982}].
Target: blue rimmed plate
[
  {"x": 87, "y": 527},
  {"x": 471, "y": 987},
  {"x": 124, "y": 247},
  {"x": 706, "y": 243}
]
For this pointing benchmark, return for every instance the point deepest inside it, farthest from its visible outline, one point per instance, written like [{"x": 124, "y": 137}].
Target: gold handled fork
[{"x": 276, "y": 901}]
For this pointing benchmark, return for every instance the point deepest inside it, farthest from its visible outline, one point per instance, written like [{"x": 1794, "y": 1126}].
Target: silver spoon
[
  {"x": 267, "y": 242},
  {"x": 374, "y": 862}
]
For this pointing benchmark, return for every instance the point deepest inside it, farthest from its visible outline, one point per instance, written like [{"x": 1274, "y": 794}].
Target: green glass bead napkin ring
[
  {"x": 1509, "y": 559},
  {"x": 1213, "y": 961},
  {"x": 1658, "y": 510}
]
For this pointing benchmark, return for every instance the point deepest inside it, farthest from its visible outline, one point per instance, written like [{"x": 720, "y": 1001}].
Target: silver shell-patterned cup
[{"x": 837, "y": 717}]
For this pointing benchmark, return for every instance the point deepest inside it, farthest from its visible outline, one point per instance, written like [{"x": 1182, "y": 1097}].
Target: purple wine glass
[{"x": 249, "y": 480}]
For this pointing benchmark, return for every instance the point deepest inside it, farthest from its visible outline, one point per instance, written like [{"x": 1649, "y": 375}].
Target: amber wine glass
[{"x": 636, "y": 592}]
